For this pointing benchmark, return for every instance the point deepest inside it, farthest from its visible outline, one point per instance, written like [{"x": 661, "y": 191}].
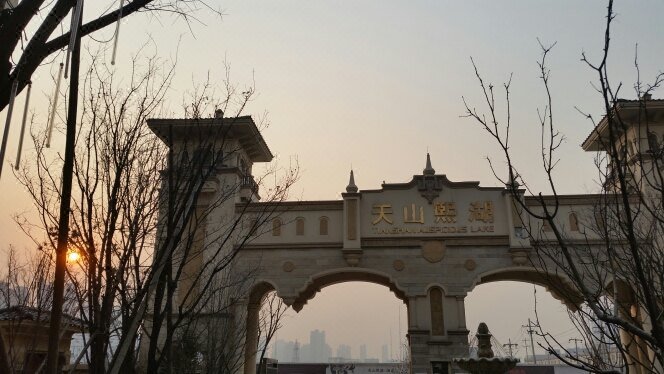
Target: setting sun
[{"x": 73, "y": 256}]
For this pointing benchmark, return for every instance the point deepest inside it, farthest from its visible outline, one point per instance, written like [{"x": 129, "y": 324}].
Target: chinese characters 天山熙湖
[
  {"x": 445, "y": 212},
  {"x": 382, "y": 212},
  {"x": 481, "y": 211}
]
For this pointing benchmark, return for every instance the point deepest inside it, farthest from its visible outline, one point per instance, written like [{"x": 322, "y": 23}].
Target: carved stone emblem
[
  {"x": 429, "y": 186},
  {"x": 288, "y": 266},
  {"x": 433, "y": 251},
  {"x": 398, "y": 265},
  {"x": 470, "y": 264}
]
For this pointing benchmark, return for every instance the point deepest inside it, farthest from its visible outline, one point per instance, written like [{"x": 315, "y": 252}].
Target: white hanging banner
[
  {"x": 23, "y": 123},
  {"x": 117, "y": 32},
  {"x": 8, "y": 122},
  {"x": 73, "y": 31},
  {"x": 51, "y": 117}
]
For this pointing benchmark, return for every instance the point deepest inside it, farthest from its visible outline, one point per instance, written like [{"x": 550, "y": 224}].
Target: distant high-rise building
[
  {"x": 283, "y": 350},
  {"x": 344, "y": 352},
  {"x": 319, "y": 350},
  {"x": 296, "y": 352},
  {"x": 363, "y": 352},
  {"x": 385, "y": 357}
]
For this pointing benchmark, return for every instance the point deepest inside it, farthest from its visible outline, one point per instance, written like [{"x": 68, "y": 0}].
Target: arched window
[
  {"x": 276, "y": 227},
  {"x": 253, "y": 226},
  {"x": 323, "y": 226},
  {"x": 653, "y": 143},
  {"x": 299, "y": 226},
  {"x": 573, "y": 222},
  {"x": 436, "y": 303}
]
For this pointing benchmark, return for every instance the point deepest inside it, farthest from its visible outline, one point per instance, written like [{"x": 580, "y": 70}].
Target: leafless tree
[
  {"x": 28, "y": 31},
  {"x": 31, "y": 24},
  {"x": 136, "y": 218},
  {"x": 614, "y": 268},
  {"x": 199, "y": 286},
  {"x": 25, "y": 302},
  {"x": 269, "y": 321},
  {"x": 112, "y": 213}
]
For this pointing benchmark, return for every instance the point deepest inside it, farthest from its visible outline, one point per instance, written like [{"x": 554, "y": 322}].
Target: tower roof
[
  {"x": 241, "y": 128},
  {"x": 630, "y": 112}
]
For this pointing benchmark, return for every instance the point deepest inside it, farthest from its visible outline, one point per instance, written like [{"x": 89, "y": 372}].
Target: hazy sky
[{"x": 375, "y": 84}]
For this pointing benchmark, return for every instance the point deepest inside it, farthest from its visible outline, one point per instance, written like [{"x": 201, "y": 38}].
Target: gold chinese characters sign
[{"x": 442, "y": 217}]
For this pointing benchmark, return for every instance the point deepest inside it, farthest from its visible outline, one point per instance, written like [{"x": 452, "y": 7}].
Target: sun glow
[{"x": 73, "y": 256}]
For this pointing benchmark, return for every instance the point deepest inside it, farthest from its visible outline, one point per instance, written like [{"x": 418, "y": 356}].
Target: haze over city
[{"x": 373, "y": 86}]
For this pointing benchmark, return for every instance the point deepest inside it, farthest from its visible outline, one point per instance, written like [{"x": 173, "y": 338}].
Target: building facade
[{"x": 430, "y": 240}]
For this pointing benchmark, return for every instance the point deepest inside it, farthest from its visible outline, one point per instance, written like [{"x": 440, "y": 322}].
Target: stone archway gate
[{"x": 430, "y": 240}]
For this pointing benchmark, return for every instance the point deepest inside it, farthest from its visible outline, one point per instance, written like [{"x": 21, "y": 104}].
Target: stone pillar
[
  {"x": 461, "y": 312},
  {"x": 625, "y": 302},
  {"x": 457, "y": 334},
  {"x": 420, "y": 361},
  {"x": 419, "y": 334},
  {"x": 251, "y": 337},
  {"x": 428, "y": 346},
  {"x": 352, "y": 249}
]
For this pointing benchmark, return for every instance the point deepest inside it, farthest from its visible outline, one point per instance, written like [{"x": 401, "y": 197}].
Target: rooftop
[
  {"x": 241, "y": 128},
  {"x": 27, "y": 313},
  {"x": 625, "y": 112}
]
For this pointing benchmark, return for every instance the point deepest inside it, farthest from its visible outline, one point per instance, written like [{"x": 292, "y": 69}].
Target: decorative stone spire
[
  {"x": 428, "y": 170},
  {"x": 351, "y": 183}
]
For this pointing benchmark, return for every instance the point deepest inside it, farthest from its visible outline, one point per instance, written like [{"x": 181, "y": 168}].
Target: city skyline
[
  {"x": 287, "y": 351},
  {"x": 316, "y": 349}
]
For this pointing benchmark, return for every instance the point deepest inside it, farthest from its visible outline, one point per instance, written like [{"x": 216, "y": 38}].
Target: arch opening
[
  {"x": 351, "y": 321},
  {"x": 514, "y": 308},
  {"x": 316, "y": 284},
  {"x": 557, "y": 286}
]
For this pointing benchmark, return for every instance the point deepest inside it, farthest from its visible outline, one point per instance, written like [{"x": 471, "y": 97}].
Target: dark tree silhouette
[
  {"x": 28, "y": 32},
  {"x": 615, "y": 269}
]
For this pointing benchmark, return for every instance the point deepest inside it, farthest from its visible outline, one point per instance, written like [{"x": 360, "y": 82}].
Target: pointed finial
[
  {"x": 428, "y": 170},
  {"x": 351, "y": 183}
]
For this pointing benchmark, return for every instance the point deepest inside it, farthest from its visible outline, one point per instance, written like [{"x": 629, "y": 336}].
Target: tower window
[
  {"x": 573, "y": 222},
  {"x": 276, "y": 227},
  {"x": 299, "y": 226},
  {"x": 323, "y": 226},
  {"x": 436, "y": 304}
]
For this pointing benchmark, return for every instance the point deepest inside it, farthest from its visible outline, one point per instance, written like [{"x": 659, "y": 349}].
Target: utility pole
[
  {"x": 576, "y": 345},
  {"x": 509, "y": 346},
  {"x": 525, "y": 345},
  {"x": 530, "y": 326},
  {"x": 65, "y": 197}
]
